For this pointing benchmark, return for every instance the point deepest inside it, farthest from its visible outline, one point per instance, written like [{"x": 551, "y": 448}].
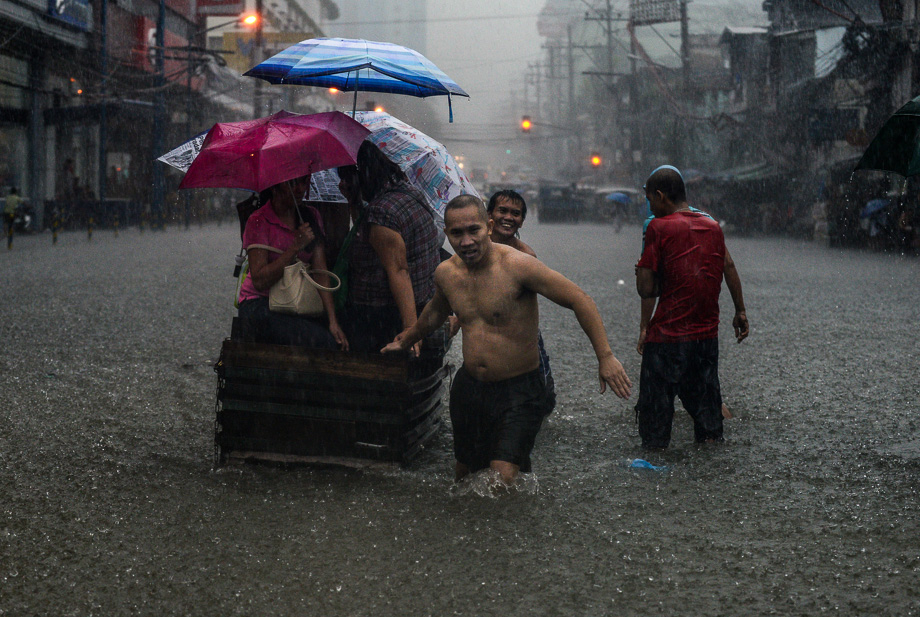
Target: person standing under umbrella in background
[
  {"x": 278, "y": 224},
  {"x": 393, "y": 257}
]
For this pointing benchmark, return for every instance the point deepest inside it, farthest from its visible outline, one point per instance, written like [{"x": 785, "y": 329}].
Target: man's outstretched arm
[
  {"x": 553, "y": 286},
  {"x": 733, "y": 282},
  {"x": 433, "y": 315}
]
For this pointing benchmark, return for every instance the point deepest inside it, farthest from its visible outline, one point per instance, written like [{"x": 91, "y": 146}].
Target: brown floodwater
[{"x": 110, "y": 504}]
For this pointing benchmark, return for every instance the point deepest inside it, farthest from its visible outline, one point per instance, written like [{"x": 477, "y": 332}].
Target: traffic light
[
  {"x": 526, "y": 124},
  {"x": 596, "y": 160}
]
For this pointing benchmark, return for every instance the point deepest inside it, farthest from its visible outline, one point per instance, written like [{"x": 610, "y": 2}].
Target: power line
[{"x": 438, "y": 19}]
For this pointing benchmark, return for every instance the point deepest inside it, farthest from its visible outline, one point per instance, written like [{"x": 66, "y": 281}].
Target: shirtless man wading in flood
[{"x": 497, "y": 402}]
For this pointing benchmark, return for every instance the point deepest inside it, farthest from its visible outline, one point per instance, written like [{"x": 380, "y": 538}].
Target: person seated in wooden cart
[
  {"x": 393, "y": 255},
  {"x": 498, "y": 402},
  {"x": 278, "y": 224}
]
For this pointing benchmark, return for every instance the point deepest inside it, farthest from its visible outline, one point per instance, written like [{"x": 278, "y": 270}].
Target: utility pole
[
  {"x": 159, "y": 122},
  {"x": 571, "y": 62},
  {"x": 538, "y": 70},
  {"x": 609, "y": 20},
  {"x": 257, "y": 58},
  {"x": 188, "y": 123},
  {"x": 634, "y": 132},
  {"x": 527, "y": 91},
  {"x": 553, "y": 93},
  {"x": 103, "y": 119},
  {"x": 572, "y": 115},
  {"x": 685, "y": 46}
]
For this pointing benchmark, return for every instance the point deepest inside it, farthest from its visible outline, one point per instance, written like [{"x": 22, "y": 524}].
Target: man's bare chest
[{"x": 490, "y": 299}]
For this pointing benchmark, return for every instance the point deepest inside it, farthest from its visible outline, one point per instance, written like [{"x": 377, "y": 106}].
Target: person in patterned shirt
[{"x": 393, "y": 257}]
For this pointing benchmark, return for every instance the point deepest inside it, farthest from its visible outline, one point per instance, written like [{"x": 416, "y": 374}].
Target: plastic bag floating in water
[{"x": 638, "y": 463}]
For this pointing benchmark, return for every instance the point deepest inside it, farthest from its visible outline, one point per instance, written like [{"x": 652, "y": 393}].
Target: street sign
[{"x": 648, "y": 12}]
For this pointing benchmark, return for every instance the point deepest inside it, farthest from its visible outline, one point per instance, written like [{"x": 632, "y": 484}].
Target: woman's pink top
[{"x": 264, "y": 227}]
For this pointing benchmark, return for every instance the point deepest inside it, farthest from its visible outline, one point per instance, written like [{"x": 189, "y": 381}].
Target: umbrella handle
[{"x": 354, "y": 104}]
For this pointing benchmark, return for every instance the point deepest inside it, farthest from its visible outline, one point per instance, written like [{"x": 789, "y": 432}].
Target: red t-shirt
[{"x": 687, "y": 251}]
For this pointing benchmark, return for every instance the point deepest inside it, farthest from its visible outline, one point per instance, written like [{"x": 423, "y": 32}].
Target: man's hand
[
  {"x": 611, "y": 373},
  {"x": 640, "y": 346},
  {"x": 398, "y": 345},
  {"x": 740, "y": 323}
]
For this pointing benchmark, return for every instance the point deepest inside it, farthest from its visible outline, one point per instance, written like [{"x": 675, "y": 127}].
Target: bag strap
[
  {"x": 306, "y": 274},
  {"x": 266, "y": 247}
]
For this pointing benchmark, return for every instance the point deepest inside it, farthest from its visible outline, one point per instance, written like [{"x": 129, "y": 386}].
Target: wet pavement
[{"x": 110, "y": 505}]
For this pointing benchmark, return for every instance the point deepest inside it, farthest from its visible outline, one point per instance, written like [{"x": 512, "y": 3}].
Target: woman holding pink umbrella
[{"x": 290, "y": 234}]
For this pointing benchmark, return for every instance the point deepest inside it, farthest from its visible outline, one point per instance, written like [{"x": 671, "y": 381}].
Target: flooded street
[{"x": 110, "y": 505}]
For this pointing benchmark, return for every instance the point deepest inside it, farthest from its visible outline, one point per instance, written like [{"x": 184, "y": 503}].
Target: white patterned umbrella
[{"x": 426, "y": 162}]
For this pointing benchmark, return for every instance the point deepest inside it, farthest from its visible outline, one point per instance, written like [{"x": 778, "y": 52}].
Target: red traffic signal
[
  {"x": 526, "y": 124},
  {"x": 596, "y": 160}
]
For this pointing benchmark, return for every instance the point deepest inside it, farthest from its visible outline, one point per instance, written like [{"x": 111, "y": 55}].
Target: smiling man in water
[
  {"x": 507, "y": 211},
  {"x": 498, "y": 402}
]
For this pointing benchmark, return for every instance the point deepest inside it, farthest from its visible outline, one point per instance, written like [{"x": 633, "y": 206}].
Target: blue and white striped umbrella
[{"x": 356, "y": 64}]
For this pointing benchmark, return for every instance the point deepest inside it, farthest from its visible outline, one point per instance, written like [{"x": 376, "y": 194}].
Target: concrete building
[{"x": 85, "y": 108}]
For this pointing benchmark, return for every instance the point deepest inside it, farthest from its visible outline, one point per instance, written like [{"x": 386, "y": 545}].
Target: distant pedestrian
[
  {"x": 682, "y": 264},
  {"x": 13, "y": 201}
]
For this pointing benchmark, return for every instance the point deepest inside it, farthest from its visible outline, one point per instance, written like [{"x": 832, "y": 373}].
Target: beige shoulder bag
[{"x": 296, "y": 292}]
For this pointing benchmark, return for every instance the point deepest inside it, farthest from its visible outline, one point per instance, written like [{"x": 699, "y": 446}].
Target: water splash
[{"x": 488, "y": 483}]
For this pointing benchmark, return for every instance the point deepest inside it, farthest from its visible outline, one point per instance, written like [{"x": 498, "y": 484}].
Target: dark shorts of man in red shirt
[{"x": 684, "y": 253}]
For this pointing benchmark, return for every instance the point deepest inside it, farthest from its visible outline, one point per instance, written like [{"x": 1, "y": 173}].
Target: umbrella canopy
[
  {"x": 896, "y": 147},
  {"x": 621, "y": 198},
  {"x": 426, "y": 162},
  {"x": 356, "y": 64},
  {"x": 257, "y": 154}
]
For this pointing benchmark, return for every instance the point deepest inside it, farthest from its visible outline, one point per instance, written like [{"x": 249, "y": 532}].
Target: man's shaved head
[
  {"x": 467, "y": 201},
  {"x": 669, "y": 181}
]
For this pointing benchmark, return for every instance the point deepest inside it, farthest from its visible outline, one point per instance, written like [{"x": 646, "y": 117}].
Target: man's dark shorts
[
  {"x": 688, "y": 370},
  {"x": 496, "y": 421}
]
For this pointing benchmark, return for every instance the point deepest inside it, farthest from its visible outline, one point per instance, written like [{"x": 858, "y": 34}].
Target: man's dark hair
[
  {"x": 376, "y": 171},
  {"x": 508, "y": 195},
  {"x": 669, "y": 183},
  {"x": 465, "y": 201}
]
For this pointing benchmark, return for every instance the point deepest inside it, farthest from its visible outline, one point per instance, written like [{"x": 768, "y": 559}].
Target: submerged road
[{"x": 110, "y": 505}]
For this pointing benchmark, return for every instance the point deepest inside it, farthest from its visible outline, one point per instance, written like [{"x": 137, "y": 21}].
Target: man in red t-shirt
[{"x": 682, "y": 264}]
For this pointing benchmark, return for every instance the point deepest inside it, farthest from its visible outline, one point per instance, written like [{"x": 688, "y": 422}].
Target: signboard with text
[
  {"x": 77, "y": 13},
  {"x": 220, "y": 8},
  {"x": 648, "y": 12}
]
